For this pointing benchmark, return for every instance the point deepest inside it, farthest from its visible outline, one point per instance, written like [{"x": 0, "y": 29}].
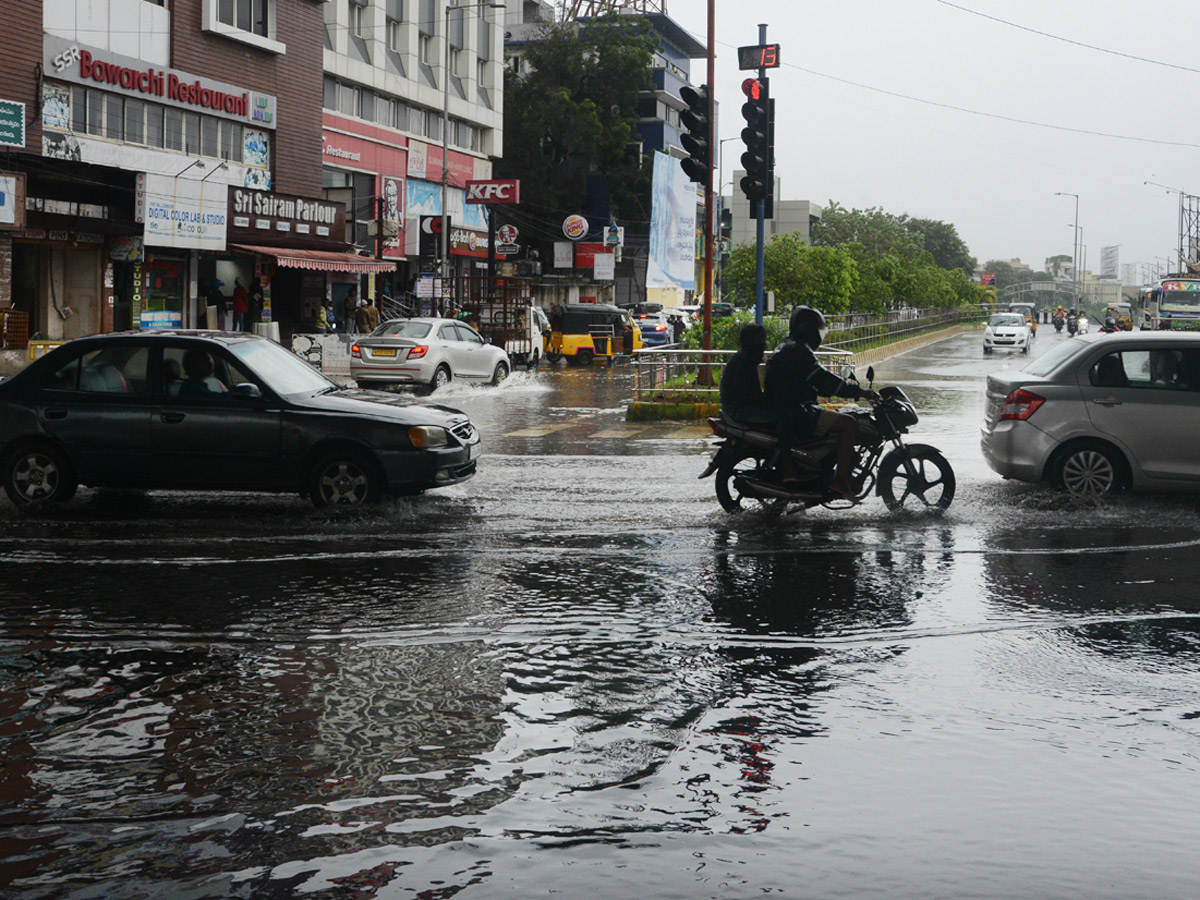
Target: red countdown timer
[{"x": 761, "y": 56}]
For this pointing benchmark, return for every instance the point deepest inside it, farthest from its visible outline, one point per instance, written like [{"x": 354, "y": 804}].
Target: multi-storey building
[
  {"x": 413, "y": 105},
  {"x": 168, "y": 145}
]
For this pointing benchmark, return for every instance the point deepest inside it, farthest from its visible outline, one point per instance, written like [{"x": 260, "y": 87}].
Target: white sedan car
[
  {"x": 1006, "y": 331},
  {"x": 426, "y": 353}
]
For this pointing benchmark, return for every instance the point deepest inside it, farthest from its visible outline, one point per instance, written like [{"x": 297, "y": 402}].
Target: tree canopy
[
  {"x": 568, "y": 117},
  {"x": 824, "y": 277}
]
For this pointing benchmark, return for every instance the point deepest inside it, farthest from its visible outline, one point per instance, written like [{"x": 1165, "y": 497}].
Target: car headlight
[{"x": 427, "y": 437}]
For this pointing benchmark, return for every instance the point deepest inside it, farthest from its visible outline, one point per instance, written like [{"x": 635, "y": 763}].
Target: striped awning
[{"x": 320, "y": 260}]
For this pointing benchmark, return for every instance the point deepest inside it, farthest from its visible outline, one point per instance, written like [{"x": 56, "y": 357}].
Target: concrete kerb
[{"x": 641, "y": 411}]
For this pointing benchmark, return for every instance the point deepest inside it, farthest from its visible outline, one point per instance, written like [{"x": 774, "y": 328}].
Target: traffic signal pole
[
  {"x": 708, "y": 187},
  {"x": 760, "y": 258}
]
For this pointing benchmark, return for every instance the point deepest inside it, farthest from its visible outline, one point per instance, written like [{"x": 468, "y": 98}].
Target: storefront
[
  {"x": 404, "y": 177},
  {"x": 296, "y": 248}
]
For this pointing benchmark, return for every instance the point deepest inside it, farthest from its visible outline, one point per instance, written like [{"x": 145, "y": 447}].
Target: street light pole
[
  {"x": 445, "y": 243},
  {"x": 1075, "y": 245}
]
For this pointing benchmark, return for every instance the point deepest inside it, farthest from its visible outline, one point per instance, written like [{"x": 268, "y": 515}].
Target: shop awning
[{"x": 320, "y": 260}]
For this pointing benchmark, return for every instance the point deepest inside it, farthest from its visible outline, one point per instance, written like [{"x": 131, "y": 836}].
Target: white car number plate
[{"x": 473, "y": 450}]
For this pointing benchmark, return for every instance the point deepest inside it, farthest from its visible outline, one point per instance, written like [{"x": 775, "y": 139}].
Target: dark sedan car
[{"x": 212, "y": 411}]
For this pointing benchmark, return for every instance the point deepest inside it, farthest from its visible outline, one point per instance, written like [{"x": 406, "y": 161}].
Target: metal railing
[
  {"x": 674, "y": 374},
  {"x": 856, "y": 332}
]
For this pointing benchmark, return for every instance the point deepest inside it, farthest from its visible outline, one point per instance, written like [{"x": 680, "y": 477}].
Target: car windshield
[
  {"x": 1048, "y": 362},
  {"x": 1006, "y": 319},
  {"x": 282, "y": 370},
  {"x": 402, "y": 328}
]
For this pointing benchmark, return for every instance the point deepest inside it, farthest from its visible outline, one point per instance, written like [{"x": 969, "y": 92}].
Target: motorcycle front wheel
[
  {"x": 928, "y": 481},
  {"x": 727, "y": 491}
]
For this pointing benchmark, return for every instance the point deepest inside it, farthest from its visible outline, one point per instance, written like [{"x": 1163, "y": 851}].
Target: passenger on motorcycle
[
  {"x": 795, "y": 379},
  {"x": 741, "y": 395}
]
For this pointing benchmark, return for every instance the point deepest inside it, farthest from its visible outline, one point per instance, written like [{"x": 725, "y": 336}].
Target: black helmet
[{"x": 807, "y": 326}]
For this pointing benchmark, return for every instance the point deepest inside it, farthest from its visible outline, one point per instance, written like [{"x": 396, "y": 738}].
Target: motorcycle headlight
[{"x": 427, "y": 437}]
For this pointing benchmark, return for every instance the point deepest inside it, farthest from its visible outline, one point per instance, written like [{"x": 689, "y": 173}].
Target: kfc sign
[{"x": 494, "y": 191}]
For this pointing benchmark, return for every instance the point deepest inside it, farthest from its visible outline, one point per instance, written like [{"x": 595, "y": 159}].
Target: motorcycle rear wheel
[
  {"x": 931, "y": 482},
  {"x": 727, "y": 492}
]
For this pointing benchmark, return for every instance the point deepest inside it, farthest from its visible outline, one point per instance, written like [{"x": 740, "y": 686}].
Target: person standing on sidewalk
[{"x": 240, "y": 297}]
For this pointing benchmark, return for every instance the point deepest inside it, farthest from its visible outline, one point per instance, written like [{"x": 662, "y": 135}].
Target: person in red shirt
[{"x": 240, "y": 296}]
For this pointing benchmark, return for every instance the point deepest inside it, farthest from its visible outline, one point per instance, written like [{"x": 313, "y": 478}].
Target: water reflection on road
[{"x": 574, "y": 673}]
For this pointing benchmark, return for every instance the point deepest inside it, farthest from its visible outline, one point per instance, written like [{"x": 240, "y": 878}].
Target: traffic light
[
  {"x": 726, "y": 230},
  {"x": 759, "y": 138},
  {"x": 698, "y": 165}
]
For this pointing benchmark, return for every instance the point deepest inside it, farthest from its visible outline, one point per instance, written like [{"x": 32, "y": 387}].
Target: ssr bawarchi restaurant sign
[
  {"x": 263, "y": 217},
  {"x": 78, "y": 63}
]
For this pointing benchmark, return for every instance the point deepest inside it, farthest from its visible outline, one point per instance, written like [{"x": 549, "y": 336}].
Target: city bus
[{"x": 1173, "y": 302}]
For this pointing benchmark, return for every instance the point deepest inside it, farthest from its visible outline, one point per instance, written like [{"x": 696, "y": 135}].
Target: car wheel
[
  {"x": 1090, "y": 469},
  {"x": 584, "y": 358},
  {"x": 441, "y": 378},
  {"x": 532, "y": 365},
  {"x": 1025, "y": 349},
  {"x": 344, "y": 478},
  {"x": 987, "y": 350},
  {"x": 37, "y": 475},
  {"x": 553, "y": 357},
  {"x": 501, "y": 372}
]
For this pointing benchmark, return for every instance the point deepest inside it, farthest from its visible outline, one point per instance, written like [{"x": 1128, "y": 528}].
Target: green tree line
[{"x": 860, "y": 261}]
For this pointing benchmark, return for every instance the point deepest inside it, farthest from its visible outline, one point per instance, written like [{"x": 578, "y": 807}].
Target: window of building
[
  {"x": 433, "y": 127},
  {"x": 114, "y": 117},
  {"x": 392, "y": 35},
  {"x": 331, "y": 93},
  {"x": 245, "y": 15},
  {"x": 154, "y": 125},
  {"x": 455, "y": 60},
  {"x": 172, "y": 128},
  {"x": 416, "y": 120},
  {"x": 232, "y": 141},
  {"x": 135, "y": 112},
  {"x": 348, "y": 99},
  {"x": 79, "y": 110},
  {"x": 191, "y": 134},
  {"x": 210, "y": 137},
  {"x": 358, "y": 19},
  {"x": 425, "y": 49},
  {"x": 383, "y": 111},
  {"x": 95, "y": 112},
  {"x": 400, "y": 115}
]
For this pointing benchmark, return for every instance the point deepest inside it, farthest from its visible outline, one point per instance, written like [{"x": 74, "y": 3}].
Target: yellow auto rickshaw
[
  {"x": 1029, "y": 311},
  {"x": 1122, "y": 313},
  {"x": 580, "y": 332}
]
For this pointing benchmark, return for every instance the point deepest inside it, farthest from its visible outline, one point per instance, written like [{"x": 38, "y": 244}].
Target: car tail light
[
  {"x": 1020, "y": 404},
  {"x": 356, "y": 351},
  {"x": 418, "y": 351}
]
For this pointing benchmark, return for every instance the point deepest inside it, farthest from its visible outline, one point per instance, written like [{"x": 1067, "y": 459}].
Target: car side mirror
[
  {"x": 247, "y": 391},
  {"x": 870, "y": 375}
]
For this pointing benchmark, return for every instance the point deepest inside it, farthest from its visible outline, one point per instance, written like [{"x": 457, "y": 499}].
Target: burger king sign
[{"x": 575, "y": 227}]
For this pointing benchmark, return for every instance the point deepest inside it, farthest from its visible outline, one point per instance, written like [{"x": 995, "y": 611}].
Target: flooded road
[{"x": 575, "y": 675}]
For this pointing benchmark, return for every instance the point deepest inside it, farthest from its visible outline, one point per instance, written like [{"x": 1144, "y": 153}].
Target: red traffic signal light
[{"x": 752, "y": 88}]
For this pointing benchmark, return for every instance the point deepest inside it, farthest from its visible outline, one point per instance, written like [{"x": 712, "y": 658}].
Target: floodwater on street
[{"x": 574, "y": 674}]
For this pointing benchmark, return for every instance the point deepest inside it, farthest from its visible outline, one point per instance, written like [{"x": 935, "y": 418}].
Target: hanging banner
[{"x": 672, "y": 260}]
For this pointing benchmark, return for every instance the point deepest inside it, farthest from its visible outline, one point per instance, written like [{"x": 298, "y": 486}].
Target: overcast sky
[{"x": 995, "y": 179}]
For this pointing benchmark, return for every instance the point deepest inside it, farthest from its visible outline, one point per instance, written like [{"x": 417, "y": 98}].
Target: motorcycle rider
[
  {"x": 795, "y": 379},
  {"x": 741, "y": 393}
]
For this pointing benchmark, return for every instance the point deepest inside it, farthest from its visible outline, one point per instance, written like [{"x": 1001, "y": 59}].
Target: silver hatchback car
[{"x": 1100, "y": 413}]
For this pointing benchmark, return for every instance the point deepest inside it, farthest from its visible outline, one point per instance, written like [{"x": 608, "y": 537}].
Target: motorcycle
[
  {"x": 1083, "y": 324},
  {"x": 748, "y": 466},
  {"x": 1072, "y": 325},
  {"x": 1059, "y": 322},
  {"x": 1110, "y": 326}
]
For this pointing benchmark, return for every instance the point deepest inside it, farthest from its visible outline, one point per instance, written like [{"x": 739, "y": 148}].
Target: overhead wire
[{"x": 1066, "y": 40}]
